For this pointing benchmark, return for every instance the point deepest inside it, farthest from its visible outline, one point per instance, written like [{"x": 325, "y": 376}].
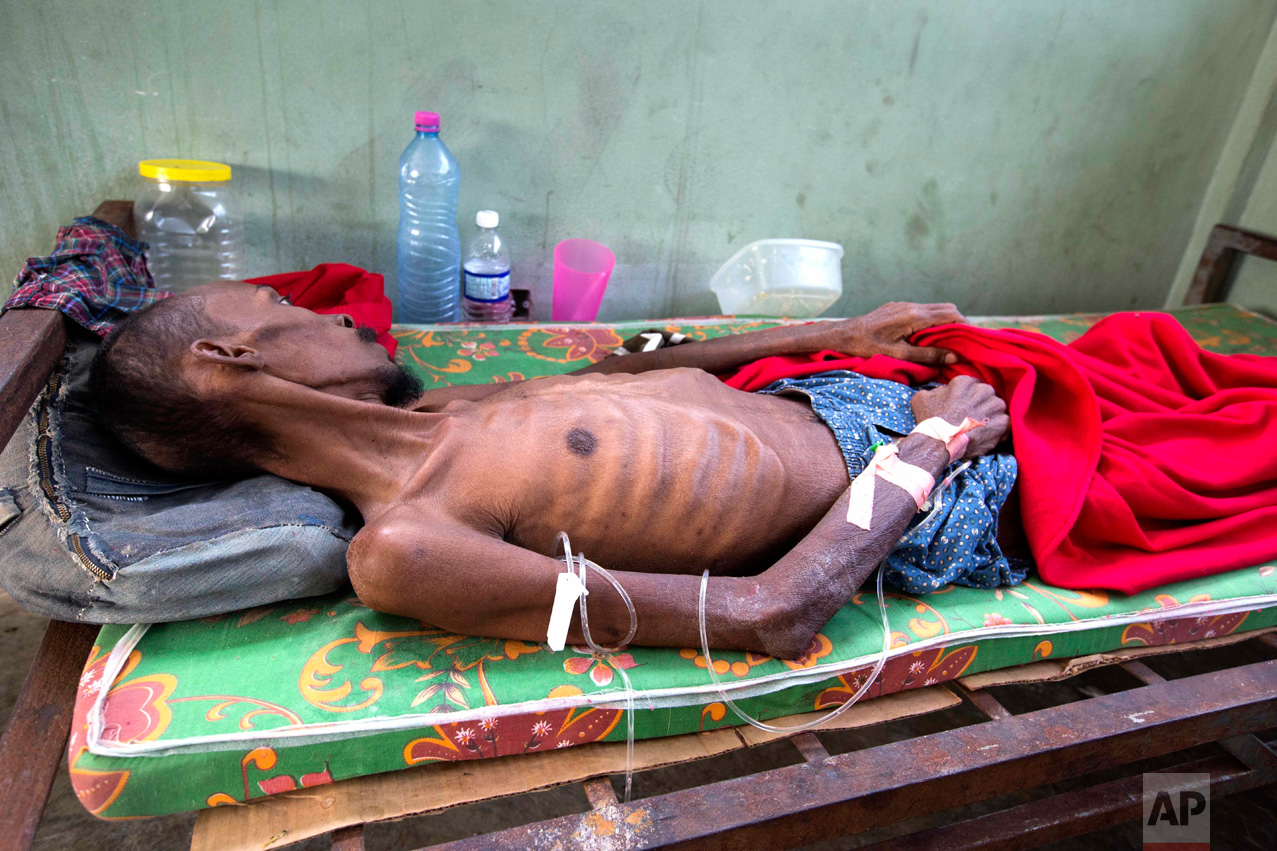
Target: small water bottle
[
  {"x": 487, "y": 273},
  {"x": 429, "y": 246},
  {"x": 187, "y": 218}
]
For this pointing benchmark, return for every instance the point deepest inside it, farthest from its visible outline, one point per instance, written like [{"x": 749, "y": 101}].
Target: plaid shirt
[{"x": 95, "y": 275}]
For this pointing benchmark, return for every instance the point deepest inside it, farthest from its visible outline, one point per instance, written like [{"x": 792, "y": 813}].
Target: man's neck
[{"x": 365, "y": 451}]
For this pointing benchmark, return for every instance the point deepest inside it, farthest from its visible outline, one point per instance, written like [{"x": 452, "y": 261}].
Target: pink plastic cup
[{"x": 581, "y": 270}]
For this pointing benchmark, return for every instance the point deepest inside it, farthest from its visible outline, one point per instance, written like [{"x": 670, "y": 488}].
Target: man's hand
[
  {"x": 887, "y": 331},
  {"x": 966, "y": 397}
]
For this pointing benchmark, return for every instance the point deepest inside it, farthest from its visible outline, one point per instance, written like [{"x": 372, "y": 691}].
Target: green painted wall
[{"x": 1009, "y": 156}]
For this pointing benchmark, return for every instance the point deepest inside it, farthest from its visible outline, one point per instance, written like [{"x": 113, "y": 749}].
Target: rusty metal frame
[
  {"x": 825, "y": 795},
  {"x": 1215, "y": 268}
]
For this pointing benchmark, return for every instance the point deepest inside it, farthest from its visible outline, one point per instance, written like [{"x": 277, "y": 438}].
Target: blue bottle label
[{"x": 487, "y": 287}]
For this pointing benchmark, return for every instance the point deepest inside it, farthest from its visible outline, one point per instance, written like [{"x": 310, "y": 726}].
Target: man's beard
[{"x": 401, "y": 388}]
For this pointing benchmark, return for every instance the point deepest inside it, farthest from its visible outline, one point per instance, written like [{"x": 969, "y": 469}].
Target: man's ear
[{"x": 227, "y": 354}]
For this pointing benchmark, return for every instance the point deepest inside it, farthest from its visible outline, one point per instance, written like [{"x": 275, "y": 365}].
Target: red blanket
[
  {"x": 1143, "y": 458},
  {"x": 339, "y": 288}
]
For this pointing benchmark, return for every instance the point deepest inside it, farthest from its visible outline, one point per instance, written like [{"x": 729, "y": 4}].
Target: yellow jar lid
[{"x": 185, "y": 171}]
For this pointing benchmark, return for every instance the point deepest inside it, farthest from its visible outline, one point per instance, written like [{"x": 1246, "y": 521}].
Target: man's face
[{"x": 323, "y": 351}]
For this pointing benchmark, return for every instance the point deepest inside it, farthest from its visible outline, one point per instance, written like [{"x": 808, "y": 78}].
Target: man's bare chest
[{"x": 668, "y": 475}]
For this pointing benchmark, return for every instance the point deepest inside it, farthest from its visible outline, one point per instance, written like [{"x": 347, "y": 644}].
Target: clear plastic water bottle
[
  {"x": 185, "y": 215},
  {"x": 487, "y": 274},
  {"x": 429, "y": 245}
]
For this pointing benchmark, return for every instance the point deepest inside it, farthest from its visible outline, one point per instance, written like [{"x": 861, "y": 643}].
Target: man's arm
[
  {"x": 465, "y": 580},
  {"x": 883, "y": 331}
]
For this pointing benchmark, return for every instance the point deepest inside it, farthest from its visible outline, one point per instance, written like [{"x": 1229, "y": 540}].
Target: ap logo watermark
[{"x": 1176, "y": 812}]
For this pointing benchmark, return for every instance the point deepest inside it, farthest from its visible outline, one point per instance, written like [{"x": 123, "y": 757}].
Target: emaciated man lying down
[{"x": 655, "y": 468}]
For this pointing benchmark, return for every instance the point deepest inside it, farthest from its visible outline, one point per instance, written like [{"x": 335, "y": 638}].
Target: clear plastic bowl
[{"x": 780, "y": 277}]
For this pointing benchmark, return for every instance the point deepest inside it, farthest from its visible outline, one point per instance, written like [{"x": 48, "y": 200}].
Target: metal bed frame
[{"x": 822, "y": 796}]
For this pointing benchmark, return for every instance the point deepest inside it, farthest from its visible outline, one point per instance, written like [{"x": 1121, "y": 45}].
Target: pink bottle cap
[{"x": 427, "y": 121}]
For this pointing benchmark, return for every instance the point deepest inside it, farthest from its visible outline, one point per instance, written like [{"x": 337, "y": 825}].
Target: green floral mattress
[{"x": 217, "y": 711}]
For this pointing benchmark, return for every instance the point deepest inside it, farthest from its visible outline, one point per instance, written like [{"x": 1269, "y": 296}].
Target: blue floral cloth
[{"x": 958, "y": 542}]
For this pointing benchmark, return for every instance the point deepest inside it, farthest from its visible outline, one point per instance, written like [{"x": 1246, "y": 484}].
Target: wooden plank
[
  {"x": 31, "y": 341},
  {"x": 32, "y": 747},
  {"x": 118, "y": 213},
  {"x": 984, "y": 702},
  {"x": 349, "y": 838},
  {"x": 1142, "y": 672},
  {"x": 810, "y": 746},
  {"x": 599, "y": 792}
]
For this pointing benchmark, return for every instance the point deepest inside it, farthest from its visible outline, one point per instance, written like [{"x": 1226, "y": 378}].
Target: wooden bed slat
[
  {"x": 349, "y": 838},
  {"x": 31, "y": 341},
  {"x": 32, "y": 747}
]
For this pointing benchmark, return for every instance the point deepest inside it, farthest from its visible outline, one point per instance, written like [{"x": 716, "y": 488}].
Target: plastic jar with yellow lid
[{"x": 185, "y": 215}]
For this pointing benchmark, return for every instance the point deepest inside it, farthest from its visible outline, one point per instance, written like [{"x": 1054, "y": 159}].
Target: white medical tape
[
  {"x": 567, "y": 591},
  {"x": 653, "y": 342}
]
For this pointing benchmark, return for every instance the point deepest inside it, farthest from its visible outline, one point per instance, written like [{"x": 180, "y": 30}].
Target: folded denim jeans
[{"x": 91, "y": 532}]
